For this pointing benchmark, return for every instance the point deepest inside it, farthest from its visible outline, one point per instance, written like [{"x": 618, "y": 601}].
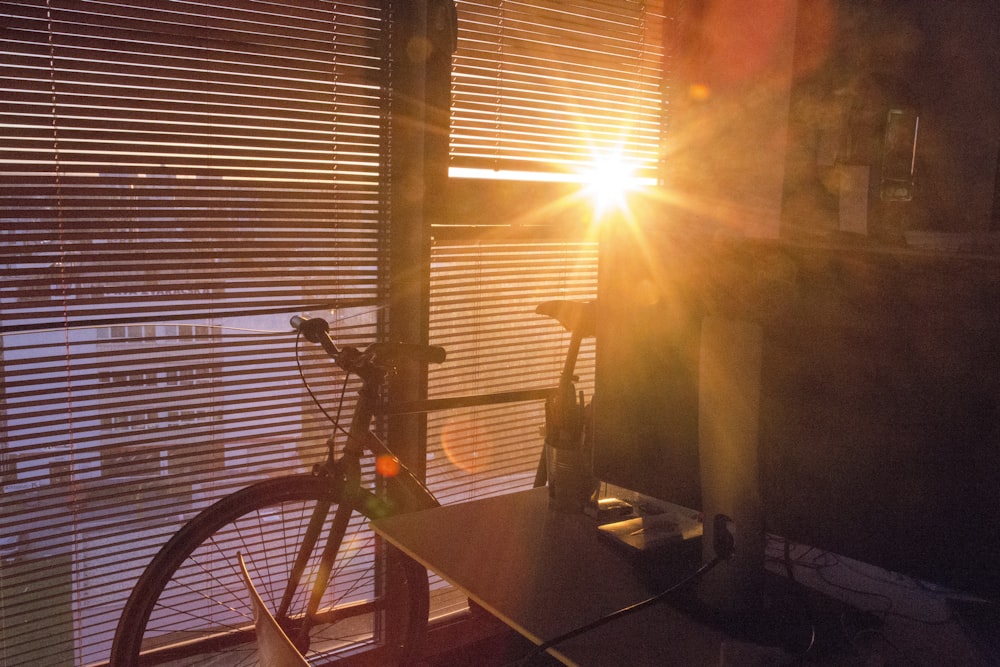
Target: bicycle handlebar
[{"x": 316, "y": 330}]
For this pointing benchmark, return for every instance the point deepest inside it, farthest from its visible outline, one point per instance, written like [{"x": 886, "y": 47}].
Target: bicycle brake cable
[{"x": 312, "y": 394}]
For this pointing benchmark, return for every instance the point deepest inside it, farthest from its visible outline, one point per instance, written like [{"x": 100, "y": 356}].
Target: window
[
  {"x": 543, "y": 94},
  {"x": 178, "y": 178}
]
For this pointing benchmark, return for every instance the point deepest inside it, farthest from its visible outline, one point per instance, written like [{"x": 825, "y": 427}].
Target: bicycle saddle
[{"x": 575, "y": 316}]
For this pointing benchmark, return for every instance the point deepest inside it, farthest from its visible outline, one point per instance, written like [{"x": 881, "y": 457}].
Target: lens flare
[
  {"x": 467, "y": 447},
  {"x": 387, "y": 466},
  {"x": 699, "y": 92}
]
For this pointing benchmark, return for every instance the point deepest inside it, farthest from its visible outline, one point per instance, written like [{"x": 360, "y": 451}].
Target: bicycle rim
[{"x": 190, "y": 607}]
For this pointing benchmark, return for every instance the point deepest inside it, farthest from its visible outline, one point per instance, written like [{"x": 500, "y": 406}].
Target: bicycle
[{"x": 340, "y": 595}]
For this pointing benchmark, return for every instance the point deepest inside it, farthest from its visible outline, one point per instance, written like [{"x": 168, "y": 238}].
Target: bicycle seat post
[{"x": 564, "y": 464}]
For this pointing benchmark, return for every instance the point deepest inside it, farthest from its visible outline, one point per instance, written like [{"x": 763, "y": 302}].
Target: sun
[{"x": 608, "y": 182}]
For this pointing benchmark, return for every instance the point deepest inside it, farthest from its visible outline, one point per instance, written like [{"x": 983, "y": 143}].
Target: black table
[{"x": 544, "y": 573}]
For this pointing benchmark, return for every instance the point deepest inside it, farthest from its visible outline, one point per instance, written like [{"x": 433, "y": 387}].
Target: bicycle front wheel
[{"x": 190, "y": 606}]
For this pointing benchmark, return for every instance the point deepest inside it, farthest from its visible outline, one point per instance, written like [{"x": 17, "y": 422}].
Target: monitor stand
[
  {"x": 739, "y": 594},
  {"x": 787, "y": 614}
]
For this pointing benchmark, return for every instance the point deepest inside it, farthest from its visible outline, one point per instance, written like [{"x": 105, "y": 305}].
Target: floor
[
  {"x": 480, "y": 640},
  {"x": 884, "y": 619}
]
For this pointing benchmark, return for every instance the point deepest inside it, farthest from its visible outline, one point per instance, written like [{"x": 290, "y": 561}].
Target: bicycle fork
[{"x": 349, "y": 467}]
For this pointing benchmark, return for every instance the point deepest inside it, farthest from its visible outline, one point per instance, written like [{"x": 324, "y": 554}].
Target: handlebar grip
[{"x": 312, "y": 328}]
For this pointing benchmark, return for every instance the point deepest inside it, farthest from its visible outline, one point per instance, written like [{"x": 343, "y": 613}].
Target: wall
[
  {"x": 728, "y": 124},
  {"x": 938, "y": 58}
]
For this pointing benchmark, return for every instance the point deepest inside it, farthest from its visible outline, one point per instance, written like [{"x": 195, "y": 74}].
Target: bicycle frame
[{"x": 402, "y": 487}]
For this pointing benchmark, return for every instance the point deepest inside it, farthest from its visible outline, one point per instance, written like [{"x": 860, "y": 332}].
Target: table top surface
[{"x": 544, "y": 573}]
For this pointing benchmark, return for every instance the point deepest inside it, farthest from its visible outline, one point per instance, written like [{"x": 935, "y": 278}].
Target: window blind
[
  {"x": 178, "y": 178},
  {"x": 542, "y": 88},
  {"x": 483, "y": 312}
]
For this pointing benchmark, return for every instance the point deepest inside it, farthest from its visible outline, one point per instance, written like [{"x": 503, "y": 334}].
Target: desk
[{"x": 544, "y": 573}]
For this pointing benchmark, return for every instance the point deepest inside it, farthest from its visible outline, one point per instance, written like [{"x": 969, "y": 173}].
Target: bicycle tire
[{"x": 190, "y": 604}]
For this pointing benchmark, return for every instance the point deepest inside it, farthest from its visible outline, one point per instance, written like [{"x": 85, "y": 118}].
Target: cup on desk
[{"x": 571, "y": 482}]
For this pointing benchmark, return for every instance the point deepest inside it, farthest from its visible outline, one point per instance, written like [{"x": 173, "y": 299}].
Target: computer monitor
[{"x": 878, "y": 404}]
